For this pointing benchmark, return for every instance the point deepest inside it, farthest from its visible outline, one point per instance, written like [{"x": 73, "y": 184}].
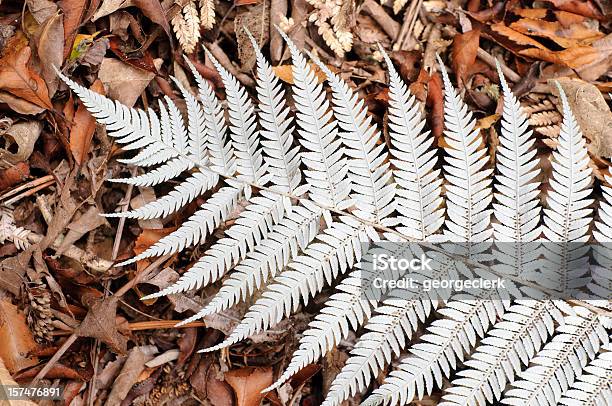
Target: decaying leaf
[
  {"x": 6, "y": 380},
  {"x": 130, "y": 372},
  {"x": 17, "y": 78},
  {"x": 567, "y": 37},
  {"x": 465, "y": 48},
  {"x": 83, "y": 128},
  {"x": 16, "y": 338},
  {"x": 123, "y": 82},
  {"x": 248, "y": 383},
  {"x": 285, "y": 73},
  {"x": 100, "y": 323},
  {"x": 592, "y": 113},
  {"x": 24, "y": 134}
]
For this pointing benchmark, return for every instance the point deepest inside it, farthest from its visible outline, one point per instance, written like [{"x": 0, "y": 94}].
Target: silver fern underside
[{"x": 312, "y": 195}]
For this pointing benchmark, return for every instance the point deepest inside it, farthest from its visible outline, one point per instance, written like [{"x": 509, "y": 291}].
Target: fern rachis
[{"x": 296, "y": 236}]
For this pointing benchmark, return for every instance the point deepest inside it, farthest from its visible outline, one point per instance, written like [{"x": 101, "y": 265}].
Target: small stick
[
  {"x": 388, "y": 24},
  {"x": 33, "y": 183}
]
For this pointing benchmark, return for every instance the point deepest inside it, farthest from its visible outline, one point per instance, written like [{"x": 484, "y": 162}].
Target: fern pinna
[{"x": 317, "y": 192}]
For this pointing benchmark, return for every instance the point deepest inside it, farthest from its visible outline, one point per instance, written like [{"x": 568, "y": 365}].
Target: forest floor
[{"x": 69, "y": 318}]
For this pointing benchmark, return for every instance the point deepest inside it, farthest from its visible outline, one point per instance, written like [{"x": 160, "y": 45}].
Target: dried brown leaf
[
  {"x": 515, "y": 36},
  {"x": 575, "y": 57},
  {"x": 592, "y": 113},
  {"x": 16, "y": 338},
  {"x": 17, "y": 78},
  {"x": 100, "y": 323},
  {"x": 567, "y": 37},
  {"x": 248, "y": 383},
  {"x": 49, "y": 46},
  {"x": 465, "y": 50},
  {"x": 123, "y": 82},
  {"x": 83, "y": 128}
]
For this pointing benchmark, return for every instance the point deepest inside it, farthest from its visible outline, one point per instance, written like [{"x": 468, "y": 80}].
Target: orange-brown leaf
[
  {"x": 567, "y": 37},
  {"x": 83, "y": 127},
  {"x": 248, "y": 383},
  {"x": 285, "y": 73},
  {"x": 465, "y": 50},
  {"x": 17, "y": 78},
  {"x": 150, "y": 236},
  {"x": 515, "y": 36},
  {"x": 582, "y": 7},
  {"x": 16, "y": 338},
  {"x": 574, "y": 58}
]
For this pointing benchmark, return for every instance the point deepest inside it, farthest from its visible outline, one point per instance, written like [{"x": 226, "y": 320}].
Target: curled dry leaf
[
  {"x": 465, "y": 50},
  {"x": 567, "y": 37},
  {"x": 248, "y": 383},
  {"x": 515, "y": 36},
  {"x": 24, "y": 134},
  {"x": 73, "y": 13},
  {"x": 16, "y": 338},
  {"x": 83, "y": 128},
  {"x": 18, "y": 79},
  {"x": 13, "y": 175},
  {"x": 100, "y": 323},
  {"x": 6, "y": 380},
  {"x": 130, "y": 372},
  {"x": 285, "y": 73},
  {"x": 49, "y": 39},
  {"x": 591, "y": 112},
  {"x": 123, "y": 82}
]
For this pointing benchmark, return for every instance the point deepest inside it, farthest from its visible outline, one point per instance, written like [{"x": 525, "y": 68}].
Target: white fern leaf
[
  {"x": 195, "y": 229},
  {"x": 327, "y": 166},
  {"x": 197, "y": 138},
  {"x": 556, "y": 367},
  {"x": 338, "y": 248},
  {"x": 373, "y": 192},
  {"x": 594, "y": 386},
  {"x": 130, "y": 126},
  {"x": 252, "y": 225},
  {"x": 282, "y": 157},
  {"x": 287, "y": 238},
  {"x": 9, "y": 231},
  {"x": 181, "y": 195},
  {"x": 567, "y": 220},
  {"x": 468, "y": 191},
  {"x": 467, "y": 318},
  {"x": 169, "y": 170},
  {"x": 600, "y": 286},
  {"x": 243, "y": 126},
  {"x": 419, "y": 189},
  {"x": 517, "y": 206},
  {"x": 396, "y": 319},
  {"x": 221, "y": 152},
  {"x": 501, "y": 355}
]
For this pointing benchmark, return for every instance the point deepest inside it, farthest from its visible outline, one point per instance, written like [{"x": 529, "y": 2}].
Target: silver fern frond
[
  {"x": 419, "y": 189},
  {"x": 468, "y": 192},
  {"x": 517, "y": 206}
]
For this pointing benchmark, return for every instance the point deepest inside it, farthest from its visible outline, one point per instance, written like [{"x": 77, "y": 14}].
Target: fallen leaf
[
  {"x": 154, "y": 10},
  {"x": 487, "y": 122},
  {"x": 41, "y": 10},
  {"x": 567, "y": 37},
  {"x": 58, "y": 371},
  {"x": 100, "y": 322},
  {"x": 17, "y": 78},
  {"x": 24, "y": 134},
  {"x": 435, "y": 101},
  {"x": 16, "y": 338},
  {"x": 465, "y": 50},
  {"x": 83, "y": 128},
  {"x": 144, "y": 62},
  {"x": 515, "y": 36},
  {"x": 13, "y": 175},
  {"x": 150, "y": 8},
  {"x": 130, "y": 372},
  {"x": 248, "y": 383},
  {"x": 123, "y": 82},
  {"x": 49, "y": 46},
  {"x": 575, "y": 57},
  {"x": 591, "y": 112},
  {"x": 88, "y": 221},
  {"x": 208, "y": 383},
  {"x": 285, "y": 73},
  {"x": 73, "y": 13},
  {"x": 149, "y": 237},
  {"x": 530, "y": 12},
  {"x": 7, "y": 380},
  {"x": 582, "y": 7}
]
